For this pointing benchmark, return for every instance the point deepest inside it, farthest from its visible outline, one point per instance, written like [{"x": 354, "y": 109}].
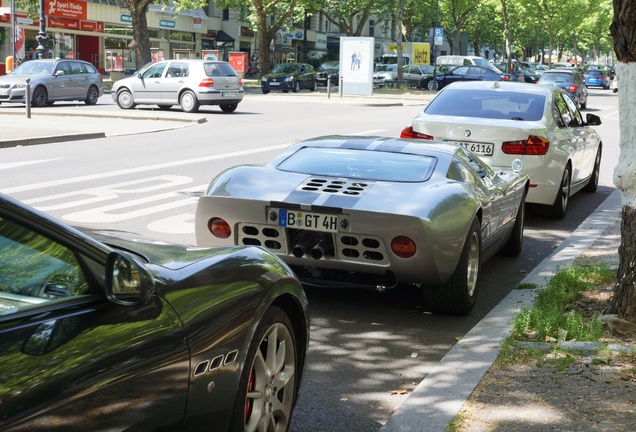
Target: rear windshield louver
[{"x": 335, "y": 186}]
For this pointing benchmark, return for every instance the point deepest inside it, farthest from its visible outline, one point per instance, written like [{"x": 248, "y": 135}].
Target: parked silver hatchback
[
  {"x": 52, "y": 80},
  {"x": 188, "y": 83}
]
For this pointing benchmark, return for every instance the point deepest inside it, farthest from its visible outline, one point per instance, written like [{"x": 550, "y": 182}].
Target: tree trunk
[
  {"x": 141, "y": 37},
  {"x": 622, "y": 28}
]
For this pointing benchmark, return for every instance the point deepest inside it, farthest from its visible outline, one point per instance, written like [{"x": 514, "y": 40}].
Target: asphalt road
[{"x": 368, "y": 349}]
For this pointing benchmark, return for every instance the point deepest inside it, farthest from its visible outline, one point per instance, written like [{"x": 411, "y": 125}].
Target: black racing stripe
[
  {"x": 285, "y": 205},
  {"x": 342, "y": 201}
]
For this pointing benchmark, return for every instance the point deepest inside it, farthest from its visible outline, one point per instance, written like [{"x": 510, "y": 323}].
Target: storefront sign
[
  {"x": 125, "y": 18},
  {"x": 63, "y": 23},
  {"x": 197, "y": 23},
  {"x": 66, "y": 8},
  {"x": 167, "y": 23},
  {"x": 92, "y": 26}
]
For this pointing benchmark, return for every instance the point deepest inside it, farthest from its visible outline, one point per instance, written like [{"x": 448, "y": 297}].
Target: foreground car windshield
[
  {"x": 364, "y": 164},
  {"x": 487, "y": 104},
  {"x": 284, "y": 68}
]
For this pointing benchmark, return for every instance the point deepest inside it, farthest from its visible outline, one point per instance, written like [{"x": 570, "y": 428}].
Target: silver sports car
[{"x": 372, "y": 212}]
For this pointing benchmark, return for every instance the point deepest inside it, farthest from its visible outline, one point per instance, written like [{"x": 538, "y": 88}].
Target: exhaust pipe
[
  {"x": 304, "y": 242},
  {"x": 324, "y": 247}
]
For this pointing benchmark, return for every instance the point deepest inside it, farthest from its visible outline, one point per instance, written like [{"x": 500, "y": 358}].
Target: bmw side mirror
[
  {"x": 127, "y": 282},
  {"x": 593, "y": 119}
]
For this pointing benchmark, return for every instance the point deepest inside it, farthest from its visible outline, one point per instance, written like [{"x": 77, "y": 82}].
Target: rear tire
[
  {"x": 559, "y": 209},
  {"x": 459, "y": 294},
  {"x": 268, "y": 386},
  {"x": 189, "y": 102},
  {"x": 92, "y": 96},
  {"x": 228, "y": 108},
  {"x": 513, "y": 246}
]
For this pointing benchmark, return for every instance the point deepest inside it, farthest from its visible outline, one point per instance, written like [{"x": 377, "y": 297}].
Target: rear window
[
  {"x": 557, "y": 77},
  {"x": 362, "y": 164},
  {"x": 594, "y": 73},
  {"x": 218, "y": 69},
  {"x": 487, "y": 104}
]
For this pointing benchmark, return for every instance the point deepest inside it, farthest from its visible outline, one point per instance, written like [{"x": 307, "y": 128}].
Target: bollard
[
  {"x": 27, "y": 97},
  {"x": 328, "y": 86}
]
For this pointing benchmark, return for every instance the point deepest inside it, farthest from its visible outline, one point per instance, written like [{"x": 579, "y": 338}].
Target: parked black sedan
[
  {"x": 126, "y": 334},
  {"x": 468, "y": 73},
  {"x": 328, "y": 72},
  {"x": 290, "y": 76}
]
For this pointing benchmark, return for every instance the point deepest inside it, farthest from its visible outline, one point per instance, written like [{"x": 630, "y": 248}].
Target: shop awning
[{"x": 221, "y": 36}]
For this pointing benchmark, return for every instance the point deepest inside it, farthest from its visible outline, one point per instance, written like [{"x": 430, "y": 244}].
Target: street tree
[
  {"x": 622, "y": 29},
  {"x": 456, "y": 16}
]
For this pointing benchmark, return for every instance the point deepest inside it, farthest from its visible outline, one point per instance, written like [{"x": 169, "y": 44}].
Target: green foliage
[{"x": 550, "y": 317}]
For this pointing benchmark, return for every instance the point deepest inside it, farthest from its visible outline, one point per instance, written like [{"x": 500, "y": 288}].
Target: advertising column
[{"x": 356, "y": 65}]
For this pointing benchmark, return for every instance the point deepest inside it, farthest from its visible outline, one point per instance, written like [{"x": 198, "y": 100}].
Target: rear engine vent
[{"x": 335, "y": 186}]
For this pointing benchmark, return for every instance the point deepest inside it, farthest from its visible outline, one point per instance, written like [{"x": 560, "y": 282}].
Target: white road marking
[{"x": 8, "y": 165}]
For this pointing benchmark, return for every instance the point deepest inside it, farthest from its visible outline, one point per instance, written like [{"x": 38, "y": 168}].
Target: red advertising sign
[
  {"x": 63, "y": 23},
  {"x": 66, "y": 8},
  {"x": 91, "y": 26}
]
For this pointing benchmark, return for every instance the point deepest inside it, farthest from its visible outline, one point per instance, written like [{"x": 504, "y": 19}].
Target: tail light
[
  {"x": 403, "y": 247},
  {"x": 408, "y": 132},
  {"x": 219, "y": 228},
  {"x": 206, "y": 82},
  {"x": 533, "y": 146},
  {"x": 240, "y": 82},
  {"x": 572, "y": 88},
  {"x": 506, "y": 78}
]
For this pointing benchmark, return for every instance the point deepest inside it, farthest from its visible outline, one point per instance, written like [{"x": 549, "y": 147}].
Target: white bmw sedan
[{"x": 503, "y": 121}]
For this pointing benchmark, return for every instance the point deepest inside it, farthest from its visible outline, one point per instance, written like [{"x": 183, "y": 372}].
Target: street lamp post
[{"x": 41, "y": 37}]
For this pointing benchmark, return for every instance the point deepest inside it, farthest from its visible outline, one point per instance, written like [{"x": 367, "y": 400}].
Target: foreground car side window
[{"x": 35, "y": 269}]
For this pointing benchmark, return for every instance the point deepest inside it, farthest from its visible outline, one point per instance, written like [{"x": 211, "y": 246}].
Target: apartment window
[
  {"x": 371, "y": 28},
  {"x": 226, "y": 14}
]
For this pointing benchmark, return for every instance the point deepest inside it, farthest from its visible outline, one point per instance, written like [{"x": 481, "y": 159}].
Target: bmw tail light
[
  {"x": 206, "y": 82},
  {"x": 403, "y": 247},
  {"x": 219, "y": 228},
  {"x": 408, "y": 132},
  {"x": 533, "y": 146}
]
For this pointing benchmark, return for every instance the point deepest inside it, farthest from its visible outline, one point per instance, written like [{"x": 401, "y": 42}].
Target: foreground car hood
[{"x": 168, "y": 255}]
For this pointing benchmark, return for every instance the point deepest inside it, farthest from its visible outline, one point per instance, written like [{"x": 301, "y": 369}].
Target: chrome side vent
[
  {"x": 270, "y": 236},
  {"x": 361, "y": 248}
]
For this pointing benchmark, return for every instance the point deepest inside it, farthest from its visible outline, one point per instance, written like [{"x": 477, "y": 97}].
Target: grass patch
[{"x": 552, "y": 317}]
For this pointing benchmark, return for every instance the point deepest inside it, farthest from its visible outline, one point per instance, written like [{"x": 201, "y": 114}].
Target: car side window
[
  {"x": 65, "y": 67},
  {"x": 562, "y": 110},
  {"x": 577, "y": 118},
  {"x": 177, "y": 70},
  {"x": 35, "y": 269},
  {"x": 155, "y": 71}
]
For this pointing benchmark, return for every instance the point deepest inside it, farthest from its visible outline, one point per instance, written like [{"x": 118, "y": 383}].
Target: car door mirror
[
  {"x": 592, "y": 119},
  {"x": 127, "y": 282}
]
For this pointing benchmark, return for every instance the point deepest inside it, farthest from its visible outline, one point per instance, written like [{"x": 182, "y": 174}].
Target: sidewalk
[{"x": 439, "y": 397}]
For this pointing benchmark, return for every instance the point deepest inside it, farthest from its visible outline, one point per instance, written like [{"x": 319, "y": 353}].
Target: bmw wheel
[
  {"x": 459, "y": 294},
  {"x": 189, "y": 102},
  {"x": 40, "y": 98},
  {"x": 268, "y": 385},
  {"x": 125, "y": 99},
  {"x": 92, "y": 96},
  {"x": 560, "y": 206}
]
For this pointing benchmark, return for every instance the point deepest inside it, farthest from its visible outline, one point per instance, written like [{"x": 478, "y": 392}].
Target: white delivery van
[{"x": 458, "y": 60}]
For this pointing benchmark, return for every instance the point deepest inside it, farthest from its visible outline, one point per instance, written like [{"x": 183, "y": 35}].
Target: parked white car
[
  {"x": 502, "y": 121},
  {"x": 188, "y": 83}
]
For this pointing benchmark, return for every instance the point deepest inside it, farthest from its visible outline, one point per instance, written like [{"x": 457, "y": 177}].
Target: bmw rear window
[
  {"x": 359, "y": 163},
  {"x": 500, "y": 105}
]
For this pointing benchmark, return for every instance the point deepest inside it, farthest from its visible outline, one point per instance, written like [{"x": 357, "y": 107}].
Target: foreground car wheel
[
  {"x": 125, "y": 99},
  {"x": 458, "y": 295},
  {"x": 267, "y": 389},
  {"x": 40, "y": 97},
  {"x": 189, "y": 102},
  {"x": 593, "y": 183},
  {"x": 228, "y": 108},
  {"x": 560, "y": 206},
  {"x": 92, "y": 96}
]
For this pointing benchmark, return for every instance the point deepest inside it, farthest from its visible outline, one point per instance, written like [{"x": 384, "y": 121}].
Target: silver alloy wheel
[
  {"x": 472, "y": 271},
  {"x": 432, "y": 84},
  {"x": 271, "y": 384},
  {"x": 40, "y": 98},
  {"x": 125, "y": 99},
  {"x": 92, "y": 96},
  {"x": 189, "y": 102}
]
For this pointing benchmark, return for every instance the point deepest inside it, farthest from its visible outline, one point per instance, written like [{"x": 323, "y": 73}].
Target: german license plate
[
  {"x": 480, "y": 149},
  {"x": 308, "y": 220},
  {"x": 4, "y": 91},
  {"x": 228, "y": 94},
  {"x": 274, "y": 84}
]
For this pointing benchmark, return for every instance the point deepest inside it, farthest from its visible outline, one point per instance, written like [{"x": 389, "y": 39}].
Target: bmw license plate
[
  {"x": 228, "y": 94},
  {"x": 307, "y": 220},
  {"x": 480, "y": 149}
]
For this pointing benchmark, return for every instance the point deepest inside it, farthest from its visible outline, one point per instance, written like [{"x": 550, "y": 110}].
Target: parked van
[{"x": 458, "y": 60}]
